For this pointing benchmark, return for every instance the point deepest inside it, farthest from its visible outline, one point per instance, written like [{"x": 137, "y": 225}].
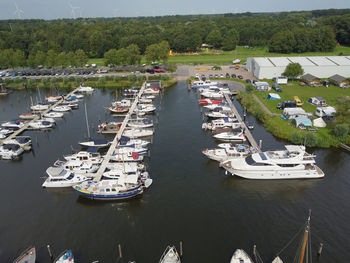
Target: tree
[
  {"x": 111, "y": 57},
  {"x": 341, "y": 130},
  {"x": 40, "y": 58},
  {"x": 343, "y": 113},
  {"x": 62, "y": 59},
  {"x": 249, "y": 87},
  {"x": 122, "y": 56},
  {"x": 296, "y": 137},
  {"x": 71, "y": 59},
  {"x": 80, "y": 57},
  {"x": 134, "y": 56},
  {"x": 152, "y": 53},
  {"x": 282, "y": 42},
  {"x": 164, "y": 49},
  {"x": 214, "y": 38},
  {"x": 293, "y": 70},
  {"x": 51, "y": 58},
  {"x": 230, "y": 40},
  {"x": 31, "y": 61}
]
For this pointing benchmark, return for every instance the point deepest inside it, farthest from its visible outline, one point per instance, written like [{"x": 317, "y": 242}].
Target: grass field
[{"x": 240, "y": 53}]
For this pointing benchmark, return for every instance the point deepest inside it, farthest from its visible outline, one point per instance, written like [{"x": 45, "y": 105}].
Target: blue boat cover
[
  {"x": 92, "y": 150},
  {"x": 99, "y": 141},
  {"x": 241, "y": 147},
  {"x": 225, "y": 119},
  {"x": 22, "y": 139},
  {"x": 263, "y": 156},
  {"x": 147, "y": 121},
  {"x": 124, "y": 138},
  {"x": 46, "y": 122}
]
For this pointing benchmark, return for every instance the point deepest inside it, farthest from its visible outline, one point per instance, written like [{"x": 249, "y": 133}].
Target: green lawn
[
  {"x": 292, "y": 89},
  {"x": 240, "y": 53}
]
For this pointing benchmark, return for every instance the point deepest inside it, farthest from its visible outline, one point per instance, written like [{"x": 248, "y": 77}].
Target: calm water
[{"x": 191, "y": 200}]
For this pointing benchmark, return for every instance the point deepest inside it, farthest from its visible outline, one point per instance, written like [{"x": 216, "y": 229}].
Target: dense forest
[{"x": 29, "y": 41}]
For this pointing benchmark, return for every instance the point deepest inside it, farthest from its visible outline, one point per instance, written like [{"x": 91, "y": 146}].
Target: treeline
[{"x": 96, "y": 36}]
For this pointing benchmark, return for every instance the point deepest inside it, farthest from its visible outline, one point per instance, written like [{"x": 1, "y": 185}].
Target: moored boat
[
  {"x": 170, "y": 255},
  {"x": 59, "y": 177},
  {"x": 137, "y": 133},
  {"x": 27, "y": 116},
  {"x": 10, "y": 151},
  {"x": 61, "y": 108},
  {"x": 28, "y": 256},
  {"x": 240, "y": 256},
  {"x": 65, "y": 257},
  {"x": 230, "y": 136},
  {"x": 98, "y": 143},
  {"x": 223, "y": 154}
]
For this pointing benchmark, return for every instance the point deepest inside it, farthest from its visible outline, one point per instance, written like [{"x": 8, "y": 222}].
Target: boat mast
[
  {"x": 307, "y": 230},
  {"x": 87, "y": 121}
]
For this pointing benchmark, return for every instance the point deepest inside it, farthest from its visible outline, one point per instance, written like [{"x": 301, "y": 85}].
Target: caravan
[{"x": 325, "y": 111}]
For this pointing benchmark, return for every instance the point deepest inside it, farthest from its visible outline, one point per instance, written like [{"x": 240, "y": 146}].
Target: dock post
[
  {"x": 120, "y": 251},
  {"x": 181, "y": 249},
  {"x": 320, "y": 250},
  {"x": 260, "y": 144},
  {"x": 49, "y": 250}
]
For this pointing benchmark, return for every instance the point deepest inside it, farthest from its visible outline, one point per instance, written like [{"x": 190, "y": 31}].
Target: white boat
[
  {"x": 201, "y": 84},
  {"x": 28, "y": 116},
  {"x": 53, "y": 99},
  {"x": 223, "y": 154},
  {"x": 214, "y": 106},
  {"x": 59, "y": 177},
  {"x": 143, "y": 123},
  {"x": 148, "y": 97},
  {"x": 218, "y": 114},
  {"x": 10, "y": 151},
  {"x": 28, "y": 256},
  {"x": 23, "y": 141},
  {"x": 98, "y": 143},
  {"x": 170, "y": 255},
  {"x": 132, "y": 143},
  {"x": 216, "y": 95},
  {"x": 215, "y": 89},
  {"x": 61, "y": 108},
  {"x": 126, "y": 157},
  {"x": 154, "y": 91},
  {"x": 127, "y": 150},
  {"x": 78, "y": 96},
  {"x": 109, "y": 127},
  {"x": 128, "y": 166},
  {"x": 119, "y": 109},
  {"x": 146, "y": 108},
  {"x": 137, "y": 133},
  {"x": 240, "y": 256},
  {"x": 89, "y": 156},
  {"x": 122, "y": 103},
  {"x": 14, "y": 125},
  {"x": 77, "y": 167},
  {"x": 129, "y": 176},
  {"x": 292, "y": 163},
  {"x": 4, "y": 133},
  {"x": 230, "y": 136},
  {"x": 52, "y": 114},
  {"x": 82, "y": 89},
  {"x": 222, "y": 123},
  {"x": 65, "y": 257},
  {"x": 39, "y": 107},
  {"x": 144, "y": 100},
  {"x": 40, "y": 125}
]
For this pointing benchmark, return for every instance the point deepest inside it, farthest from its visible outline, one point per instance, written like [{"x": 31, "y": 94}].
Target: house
[
  {"x": 302, "y": 122},
  {"x": 262, "y": 86},
  {"x": 340, "y": 81},
  {"x": 273, "y": 96},
  {"x": 317, "y": 101},
  {"x": 311, "y": 80},
  {"x": 292, "y": 113}
]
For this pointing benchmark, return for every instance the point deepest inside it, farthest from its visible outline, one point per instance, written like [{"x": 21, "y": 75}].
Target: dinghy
[
  {"x": 28, "y": 256},
  {"x": 65, "y": 257},
  {"x": 170, "y": 255},
  {"x": 240, "y": 256}
]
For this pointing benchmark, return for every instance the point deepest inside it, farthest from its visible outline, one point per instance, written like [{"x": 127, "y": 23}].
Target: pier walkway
[
  {"x": 25, "y": 127},
  {"x": 98, "y": 175},
  {"x": 247, "y": 132}
]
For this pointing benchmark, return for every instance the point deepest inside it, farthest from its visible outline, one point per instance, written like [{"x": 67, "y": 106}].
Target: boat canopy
[
  {"x": 11, "y": 146},
  {"x": 56, "y": 172},
  {"x": 99, "y": 141},
  {"x": 22, "y": 139},
  {"x": 92, "y": 150}
]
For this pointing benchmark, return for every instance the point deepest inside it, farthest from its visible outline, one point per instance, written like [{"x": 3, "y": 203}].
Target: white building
[{"x": 321, "y": 67}]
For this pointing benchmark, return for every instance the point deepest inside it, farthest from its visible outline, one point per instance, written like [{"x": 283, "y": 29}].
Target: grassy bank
[
  {"x": 284, "y": 129},
  {"x": 240, "y": 53}
]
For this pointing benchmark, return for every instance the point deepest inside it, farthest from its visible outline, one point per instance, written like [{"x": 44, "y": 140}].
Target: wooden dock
[
  {"x": 98, "y": 175},
  {"x": 25, "y": 127},
  {"x": 247, "y": 132}
]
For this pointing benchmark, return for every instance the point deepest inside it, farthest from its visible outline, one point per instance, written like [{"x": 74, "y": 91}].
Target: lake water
[{"x": 191, "y": 199}]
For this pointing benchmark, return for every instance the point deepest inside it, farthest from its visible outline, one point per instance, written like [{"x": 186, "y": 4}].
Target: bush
[
  {"x": 164, "y": 77},
  {"x": 249, "y": 88},
  {"x": 102, "y": 80},
  {"x": 296, "y": 137},
  {"x": 65, "y": 81},
  {"x": 116, "y": 78},
  {"x": 311, "y": 139},
  {"x": 132, "y": 78},
  {"x": 341, "y": 130},
  {"x": 141, "y": 78},
  {"x": 44, "y": 81}
]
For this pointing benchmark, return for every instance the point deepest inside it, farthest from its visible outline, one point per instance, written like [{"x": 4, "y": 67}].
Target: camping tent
[
  {"x": 319, "y": 122},
  {"x": 291, "y": 113},
  {"x": 318, "y": 101},
  {"x": 274, "y": 96},
  {"x": 302, "y": 121}
]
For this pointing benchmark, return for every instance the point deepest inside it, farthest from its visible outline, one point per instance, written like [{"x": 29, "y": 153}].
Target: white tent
[{"x": 319, "y": 122}]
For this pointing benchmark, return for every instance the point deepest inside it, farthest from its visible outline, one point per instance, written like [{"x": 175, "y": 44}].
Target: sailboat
[
  {"x": 240, "y": 256},
  {"x": 170, "y": 255},
  {"x": 28, "y": 256}
]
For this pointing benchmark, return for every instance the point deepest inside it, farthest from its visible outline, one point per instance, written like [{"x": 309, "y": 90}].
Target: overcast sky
[{"x": 51, "y": 9}]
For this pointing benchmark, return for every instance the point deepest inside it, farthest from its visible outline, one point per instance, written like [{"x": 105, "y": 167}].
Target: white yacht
[
  {"x": 82, "y": 89},
  {"x": 128, "y": 167},
  {"x": 39, "y": 107},
  {"x": 222, "y": 123},
  {"x": 89, "y": 156},
  {"x": 218, "y": 114},
  {"x": 126, "y": 157},
  {"x": 146, "y": 108},
  {"x": 53, "y": 114},
  {"x": 211, "y": 94},
  {"x": 122, "y": 103},
  {"x": 98, "y": 143},
  {"x": 137, "y": 133},
  {"x": 4, "y": 133},
  {"x": 132, "y": 143},
  {"x": 77, "y": 167},
  {"x": 201, "y": 84},
  {"x": 59, "y": 177},
  {"x": 230, "y": 136},
  {"x": 223, "y": 154},
  {"x": 14, "y": 124},
  {"x": 224, "y": 106},
  {"x": 240, "y": 256},
  {"x": 143, "y": 123},
  {"x": 10, "y": 151},
  {"x": 154, "y": 91},
  {"x": 170, "y": 255},
  {"x": 61, "y": 108},
  {"x": 292, "y": 163},
  {"x": 39, "y": 125}
]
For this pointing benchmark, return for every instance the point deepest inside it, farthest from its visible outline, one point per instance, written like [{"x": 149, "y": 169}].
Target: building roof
[
  {"x": 337, "y": 78},
  {"x": 308, "y": 77}
]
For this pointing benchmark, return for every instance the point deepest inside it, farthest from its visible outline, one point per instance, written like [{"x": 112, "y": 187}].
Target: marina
[{"x": 235, "y": 213}]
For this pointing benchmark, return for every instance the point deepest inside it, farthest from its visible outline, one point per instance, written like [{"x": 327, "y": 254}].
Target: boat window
[
  {"x": 250, "y": 160},
  {"x": 113, "y": 190},
  {"x": 70, "y": 176},
  {"x": 108, "y": 190}
]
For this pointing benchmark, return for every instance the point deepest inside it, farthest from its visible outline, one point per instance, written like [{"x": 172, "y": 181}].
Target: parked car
[
  {"x": 233, "y": 76},
  {"x": 248, "y": 81},
  {"x": 216, "y": 76},
  {"x": 227, "y": 75},
  {"x": 203, "y": 77},
  {"x": 240, "y": 76},
  {"x": 286, "y": 104},
  {"x": 276, "y": 87},
  {"x": 222, "y": 76},
  {"x": 211, "y": 76}
]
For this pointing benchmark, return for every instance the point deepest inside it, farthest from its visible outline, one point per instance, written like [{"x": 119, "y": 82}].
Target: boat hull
[{"x": 119, "y": 196}]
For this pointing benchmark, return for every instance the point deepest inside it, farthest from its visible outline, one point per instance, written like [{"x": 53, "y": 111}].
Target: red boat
[{"x": 209, "y": 101}]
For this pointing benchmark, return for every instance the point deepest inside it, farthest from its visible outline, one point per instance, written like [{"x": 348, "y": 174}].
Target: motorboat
[
  {"x": 223, "y": 154},
  {"x": 127, "y": 150},
  {"x": 14, "y": 124},
  {"x": 210, "y": 101},
  {"x": 28, "y": 256},
  {"x": 214, "y": 106},
  {"x": 222, "y": 123},
  {"x": 118, "y": 109},
  {"x": 62, "y": 108},
  {"x": 137, "y": 133},
  {"x": 126, "y": 157},
  {"x": 98, "y": 143},
  {"x": 4, "y": 133},
  {"x": 170, "y": 255},
  {"x": 249, "y": 125},
  {"x": 72, "y": 105},
  {"x": 152, "y": 90},
  {"x": 78, "y": 167},
  {"x": 230, "y": 136},
  {"x": 28, "y": 116},
  {"x": 53, "y": 99},
  {"x": 52, "y": 114},
  {"x": 130, "y": 92},
  {"x": 211, "y": 94},
  {"x": 114, "y": 189},
  {"x": 65, "y": 257},
  {"x": 23, "y": 141},
  {"x": 215, "y": 89},
  {"x": 40, "y": 125},
  {"x": 292, "y": 163},
  {"x": 144, "y": 100},
  {"x": 129, "y": 176},
  {"x": 148, "y": 97},
  {"x": 132, "y": 143},
  {"x": 202, "y": 84},
  {"x": 240, "y": 256},
  {"x": 39, "y": 107},
  {"x": 122, "y": 103},
  {"x": 78, "y": 96},
  {"x": 146, "y": 108},
  {"x": 218, "y": 114},
  {"x": 90, "y": 156},
  {"x": 109, "y": 127},
  {"x": 59, "y": 177},
  {"x": 127, "y": 167},
  {"x": 9, "y": 151},
  {"x": 82, "y": 89},
  {"x": 143, "y": 123}
]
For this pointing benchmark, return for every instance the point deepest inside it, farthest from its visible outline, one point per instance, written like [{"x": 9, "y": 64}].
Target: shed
[
  {"x": 292, "y": 113},
  {"x": 274, "y": 96},
  {"x": 340, "y": 81},
  {"x": 262, "y": 86},
  {"x": 317, "y": 101},
  {"x": 302, "y": 121},
  {"x": 319, "y": 122},
  {"x": 311, "y": 80}
]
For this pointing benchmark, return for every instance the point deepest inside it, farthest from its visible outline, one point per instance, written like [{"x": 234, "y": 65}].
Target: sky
[{"x": 52, "y": 9}]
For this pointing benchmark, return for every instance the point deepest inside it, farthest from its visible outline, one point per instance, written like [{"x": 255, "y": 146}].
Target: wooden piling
[
  {"x": 181, "y": 249},
  {"x": 49, "y": 250},
  {"x": 120, "y": 251}
]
